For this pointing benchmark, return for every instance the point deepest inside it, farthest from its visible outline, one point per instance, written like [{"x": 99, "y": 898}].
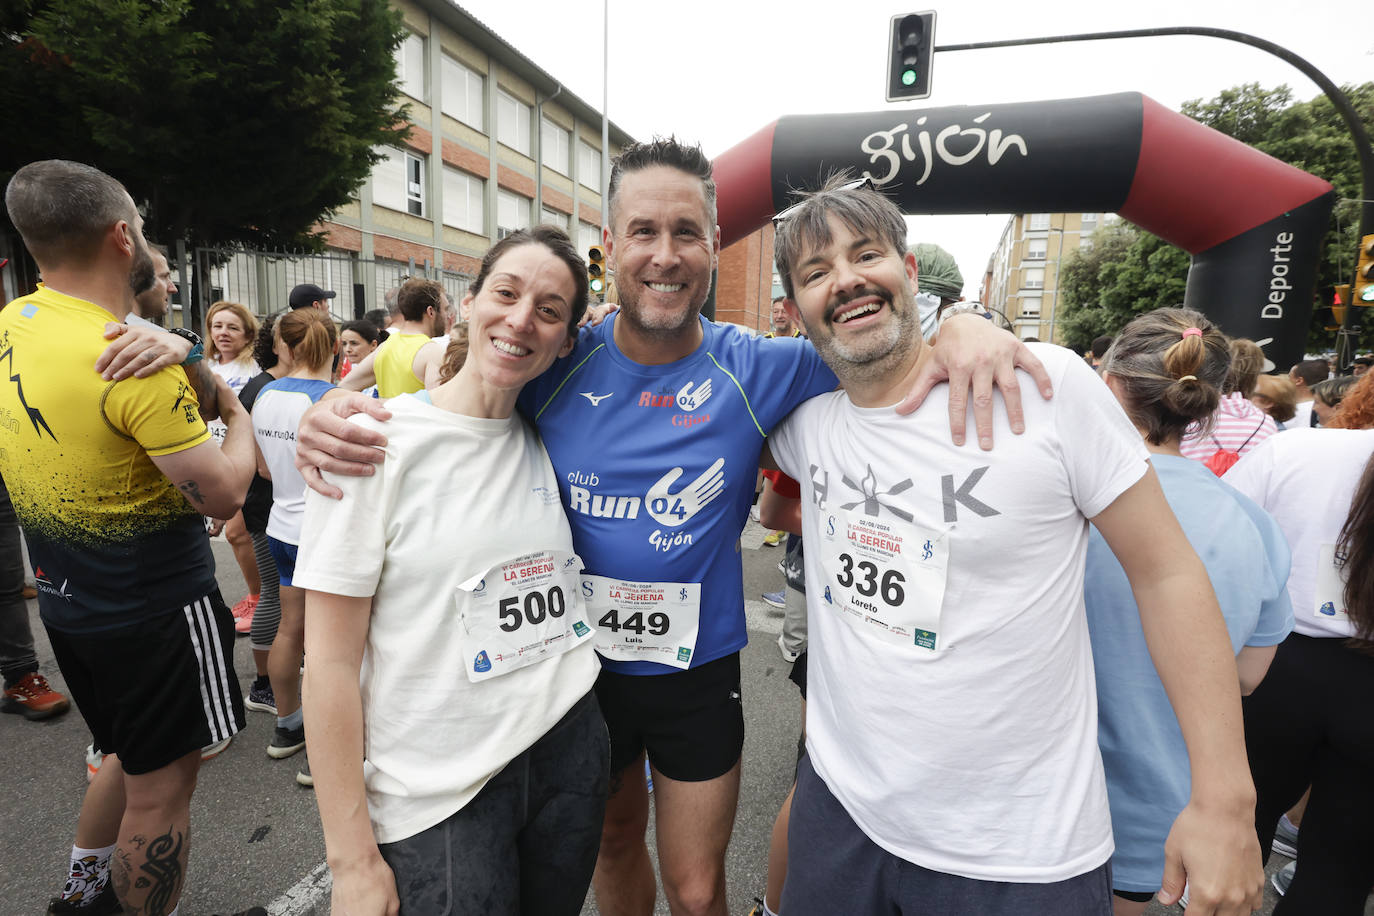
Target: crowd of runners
[{"x": 1099, "y": 655}]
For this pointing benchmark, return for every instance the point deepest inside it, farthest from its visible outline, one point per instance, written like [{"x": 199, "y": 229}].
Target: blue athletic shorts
[{"x": 285, "y": 555}]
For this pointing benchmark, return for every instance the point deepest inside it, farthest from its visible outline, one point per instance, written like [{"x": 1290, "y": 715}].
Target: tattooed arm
[{"x": 214, "y": 478}]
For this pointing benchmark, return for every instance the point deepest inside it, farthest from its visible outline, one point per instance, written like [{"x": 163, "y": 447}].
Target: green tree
[
  {"x": 235, "y": 121},
  {"x": 1129, "y": 271}
]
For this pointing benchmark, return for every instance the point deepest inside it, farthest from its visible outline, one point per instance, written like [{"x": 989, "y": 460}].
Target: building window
[
  {"x": 398, "y": 181},
  {"x": 1033, "y": 278},
  {"x": 463, "y": 200},
  {"x": 553, "y": 147},
  {"x": 462, "y": 90},
  {"x": 512, "y": 213},
  {"x": 587, "y": 236},
  {"x": 1036, "y": 248},
  {"x": 1089, "y": 221},
  {"x": 1038, "y": 221},
  {"x": 554, "y": 218},
  {"x": 1030, "y": 307},
  {"x": 410, "y": 66},
  {"x": 512, "y": 122},
  {"x": 588, "y": 165}
]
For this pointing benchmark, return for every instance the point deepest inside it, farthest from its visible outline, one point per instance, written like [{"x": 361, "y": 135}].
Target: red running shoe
[
  {"x": 32, "y": 698},
  {"x": 243, "y": 615}
]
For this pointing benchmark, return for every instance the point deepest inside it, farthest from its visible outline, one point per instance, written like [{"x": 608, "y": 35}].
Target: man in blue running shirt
[{"x": 654, "y": 424}]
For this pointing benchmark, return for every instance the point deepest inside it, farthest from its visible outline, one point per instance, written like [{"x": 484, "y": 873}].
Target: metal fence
[{"x": 262, "y": 280}]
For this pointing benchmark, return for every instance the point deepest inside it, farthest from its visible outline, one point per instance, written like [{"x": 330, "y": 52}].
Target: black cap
[{"x": 306, "y": 293}]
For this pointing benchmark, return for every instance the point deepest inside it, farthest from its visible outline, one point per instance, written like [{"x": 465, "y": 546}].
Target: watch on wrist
[{"x": 197, "y": 348}]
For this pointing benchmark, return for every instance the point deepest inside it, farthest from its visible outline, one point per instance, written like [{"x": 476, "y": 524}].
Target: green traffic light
[
  {"x": 908, "y": 77},
  {"x": 1367, "y": 294},
  {"x": 596, "y": 285}
]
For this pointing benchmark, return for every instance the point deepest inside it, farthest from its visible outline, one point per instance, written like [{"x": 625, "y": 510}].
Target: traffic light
[
  {"x": 1364, "y": 274},
  {"x": 911, "y": 48},
  {"x": 596, "y": 270}
]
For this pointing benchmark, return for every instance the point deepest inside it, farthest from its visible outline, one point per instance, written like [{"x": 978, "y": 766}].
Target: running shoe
[
  {"x": 776, "y": 599},
  {"x": 211, "y": 751},
  {"x": 774, "y": 538},
  {"x": 104, "y": 903},
  {"x": 754, "y": 512},
  {"x": 757, "y": 908},
  {"x": 94, "y": 759},
  {"x": 1286, "y": 838},
  {"x": 1283, "y": 878},
  {"x": 286, "y": 741},
  {"x": 261, "y": 698},
  {"x": 32, "y": 698},
  {"x": 788, "y": 655},
  {"x": 243, "y": 614},
  {"x": 303, "y": 777}
]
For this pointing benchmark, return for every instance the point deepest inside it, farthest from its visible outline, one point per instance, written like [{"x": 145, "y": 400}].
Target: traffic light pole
[{"x": 1363, "y": 148}]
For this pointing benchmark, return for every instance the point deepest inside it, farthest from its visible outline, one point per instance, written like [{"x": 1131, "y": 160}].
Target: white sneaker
[{"x": 789, "y": 656}]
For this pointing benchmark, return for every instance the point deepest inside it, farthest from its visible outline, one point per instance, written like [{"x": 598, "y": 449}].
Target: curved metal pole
[{"x": 1363, "y": 148}]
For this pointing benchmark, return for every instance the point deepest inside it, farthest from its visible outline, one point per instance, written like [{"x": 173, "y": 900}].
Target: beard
[
  {"x": 660, "y": 325},
  {"x": 142, "y": 275},
  {"x": 873, "y": 356}
]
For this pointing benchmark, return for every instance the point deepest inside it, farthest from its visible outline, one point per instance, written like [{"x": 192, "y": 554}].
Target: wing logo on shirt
[
  {"x": 872, "y": 501},
  {"x": 35, "y": 415},
  {"x": 676, "y": 508}
]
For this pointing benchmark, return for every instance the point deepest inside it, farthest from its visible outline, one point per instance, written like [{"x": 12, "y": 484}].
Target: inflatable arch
[{"x": 1253, "y": 224}]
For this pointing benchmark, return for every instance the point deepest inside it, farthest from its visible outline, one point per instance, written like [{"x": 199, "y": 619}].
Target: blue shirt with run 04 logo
[{"x": 656, "y": 465}]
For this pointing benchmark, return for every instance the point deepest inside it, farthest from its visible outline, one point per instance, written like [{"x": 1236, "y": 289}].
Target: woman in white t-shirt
[
  {"x": 230, "y": 332},
  {"x": 230, "y": 329},
  {"x": 1309, "y": 722},
  {"x": 451, "y": 662}
]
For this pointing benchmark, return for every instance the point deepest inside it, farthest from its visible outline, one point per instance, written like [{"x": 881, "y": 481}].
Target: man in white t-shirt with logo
[{"x": 952, "y": 762}]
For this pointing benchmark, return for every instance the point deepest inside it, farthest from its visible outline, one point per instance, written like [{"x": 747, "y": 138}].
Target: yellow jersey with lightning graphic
[{"x": 111, "y": 538}]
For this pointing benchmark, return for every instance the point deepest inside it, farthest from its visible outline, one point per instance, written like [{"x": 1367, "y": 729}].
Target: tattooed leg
[{"x": 149, "y": 867}]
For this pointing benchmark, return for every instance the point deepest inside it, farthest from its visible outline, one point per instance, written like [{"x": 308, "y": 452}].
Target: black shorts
[
  {"x": 690, "y": 722},
  {"x": 154, "y": 691}
]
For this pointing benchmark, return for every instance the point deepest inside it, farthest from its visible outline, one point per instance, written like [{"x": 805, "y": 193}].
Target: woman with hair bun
[
  {"x": 310, "y": 339},
  {"x": 1167, "y": 368}
]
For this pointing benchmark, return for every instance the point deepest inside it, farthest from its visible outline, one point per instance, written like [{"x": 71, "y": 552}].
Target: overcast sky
[{"x": 715, "y": 71}]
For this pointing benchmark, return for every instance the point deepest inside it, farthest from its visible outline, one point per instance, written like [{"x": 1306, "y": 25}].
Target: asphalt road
[{"x": 257, "y": 837}]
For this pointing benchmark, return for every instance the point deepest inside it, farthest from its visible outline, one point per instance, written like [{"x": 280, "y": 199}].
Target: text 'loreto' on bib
[{"x": 885, "y": 579}]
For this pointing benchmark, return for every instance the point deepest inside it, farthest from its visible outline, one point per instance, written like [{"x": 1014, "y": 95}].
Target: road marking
[{"x": 307, "y": 897}]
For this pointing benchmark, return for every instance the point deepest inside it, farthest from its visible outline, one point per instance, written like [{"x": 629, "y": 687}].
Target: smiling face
[
  {"x": 519, "y": 320},
  {"x": 228, "y": 335},
  {"x": 856, "y": 297},
  {"x": 663, "y": 246}
]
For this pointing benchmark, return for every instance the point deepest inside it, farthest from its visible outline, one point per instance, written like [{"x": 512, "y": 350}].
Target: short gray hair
[
  {"x": 670, "y": 152},
  {"x": 62, "y": 209},
  {"x": 807, "y": 226}
]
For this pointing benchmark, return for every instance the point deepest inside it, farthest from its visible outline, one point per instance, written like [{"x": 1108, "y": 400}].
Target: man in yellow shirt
[
  {"x": 110, "y": 480},
  {"x": 398, "y": 365}
]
